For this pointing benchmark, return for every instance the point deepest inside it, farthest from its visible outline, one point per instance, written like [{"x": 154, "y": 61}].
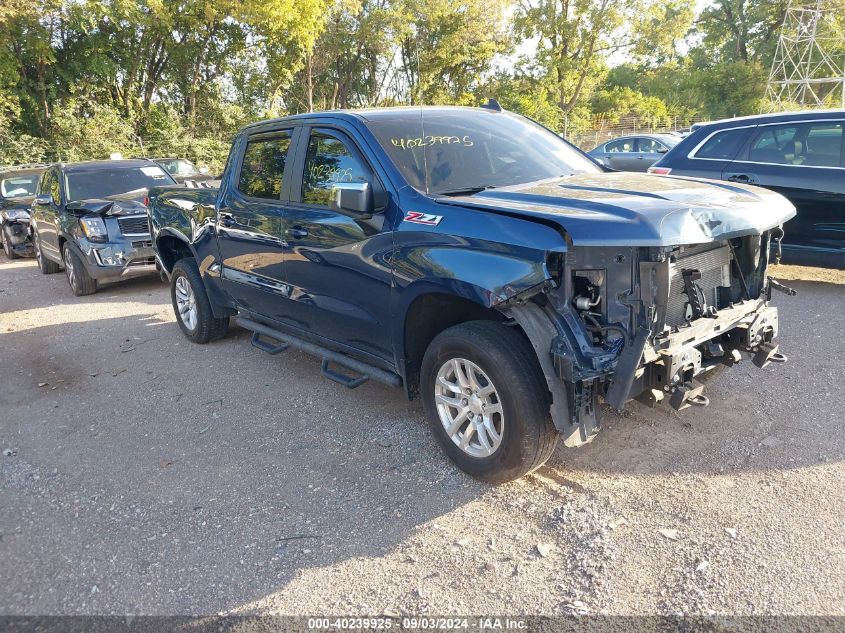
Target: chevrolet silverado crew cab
[{"x": 479, "y": 262}]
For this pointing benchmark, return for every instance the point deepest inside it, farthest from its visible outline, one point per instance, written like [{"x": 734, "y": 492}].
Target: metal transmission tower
[{"x": 809, "y": 64}]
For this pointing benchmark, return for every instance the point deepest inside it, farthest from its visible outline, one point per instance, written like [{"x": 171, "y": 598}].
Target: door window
[
  {"x": 263, "y": 166},
  {"x": 722, "y": 145},
  {"x": 774, "y": 144},
  {"x": 619, "y": 146},
  {"x": 329, "y": 161},
  {"x": 823, "y": 145},
  {"x": 650, "y": 146},
  {"x": 816, "y": 144}
]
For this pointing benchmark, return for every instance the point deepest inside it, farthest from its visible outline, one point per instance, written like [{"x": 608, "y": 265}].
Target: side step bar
[{"x": 284, "y": 340}]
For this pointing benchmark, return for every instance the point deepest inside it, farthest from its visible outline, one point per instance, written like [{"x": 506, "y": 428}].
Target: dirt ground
[{"x": 144, "y": 474}]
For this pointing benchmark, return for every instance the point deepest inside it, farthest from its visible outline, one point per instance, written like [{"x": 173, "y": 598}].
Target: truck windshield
[
  {"x": 455, "y": 151},
  {"x": 19, "y": 186},
  {"x": 101, "y": 183}
]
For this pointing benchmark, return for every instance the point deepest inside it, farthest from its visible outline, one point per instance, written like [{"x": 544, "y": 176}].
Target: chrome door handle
[{"x": 297, "y": 232}]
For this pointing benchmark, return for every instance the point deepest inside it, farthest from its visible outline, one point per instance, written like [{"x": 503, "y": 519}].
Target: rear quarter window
[{"x": 723, "y": 145}]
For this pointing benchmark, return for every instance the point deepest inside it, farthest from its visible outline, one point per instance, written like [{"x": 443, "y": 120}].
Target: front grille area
[
  {"x": 143, "y": 244},
  {"x": 143, "y": 261},
  {"x": 134, "y": 225},
  {"x": 713, "y": 262}
]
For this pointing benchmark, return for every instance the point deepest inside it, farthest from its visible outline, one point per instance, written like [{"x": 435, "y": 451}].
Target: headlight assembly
[{"x": 94, "y": 229}]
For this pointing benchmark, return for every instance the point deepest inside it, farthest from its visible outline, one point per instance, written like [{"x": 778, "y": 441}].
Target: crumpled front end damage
[{"x": 623, "y": 322}]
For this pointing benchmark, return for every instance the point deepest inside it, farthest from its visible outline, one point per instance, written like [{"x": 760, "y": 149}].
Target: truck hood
[{"x": 626, "y": 209}]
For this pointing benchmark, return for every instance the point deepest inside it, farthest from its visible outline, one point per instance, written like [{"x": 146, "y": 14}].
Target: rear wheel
[
  {"x": 81, "y": 283},
  {"x": 487, "y": 401},
  {"x": 46, "y": 266},
  {"x": 191, "y": 304}
]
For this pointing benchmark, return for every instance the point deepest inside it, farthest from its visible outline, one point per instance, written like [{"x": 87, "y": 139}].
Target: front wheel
[
  {"x": 81, "y": 283},
  {"x": 46, "y": 266},
  {"x": 487, "y": 401},
  {"x": 191, "y": 304}
]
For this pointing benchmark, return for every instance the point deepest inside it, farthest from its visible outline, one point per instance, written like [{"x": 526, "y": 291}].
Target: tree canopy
[{"x": 81, "y": 78}]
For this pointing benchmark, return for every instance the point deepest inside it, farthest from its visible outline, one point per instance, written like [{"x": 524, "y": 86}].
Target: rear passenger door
[
  {"x": 804, "y": 162},
  {"x": 337, "y": 264},
  {"x": 249, "y": 222}
]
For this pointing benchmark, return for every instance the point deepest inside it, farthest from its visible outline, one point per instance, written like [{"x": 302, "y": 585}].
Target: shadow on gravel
[
  {"x": 178, "y": 478},
  {"x": 25, "y": 271}
]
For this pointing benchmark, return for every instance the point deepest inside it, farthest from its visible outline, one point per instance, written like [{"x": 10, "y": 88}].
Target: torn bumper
[
  {"x": 118, "y": 259},
  {"x": 17, "y": 235},
  {"x": 670, "y": 365}
]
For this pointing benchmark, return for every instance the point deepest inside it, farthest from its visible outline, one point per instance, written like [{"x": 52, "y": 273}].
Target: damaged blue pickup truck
[{"x": 479, "y": 262}]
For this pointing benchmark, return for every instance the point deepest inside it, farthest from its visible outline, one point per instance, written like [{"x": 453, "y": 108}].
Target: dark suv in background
[
  {"x": 91, "y": 219},
  {"x": 798, "y": 154}
]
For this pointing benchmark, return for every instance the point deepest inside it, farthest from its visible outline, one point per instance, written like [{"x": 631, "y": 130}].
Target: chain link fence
[{"x": 603, "y": 130}]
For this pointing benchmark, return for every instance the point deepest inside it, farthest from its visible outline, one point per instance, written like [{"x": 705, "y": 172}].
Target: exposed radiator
[{"x": 714, "y": 265}]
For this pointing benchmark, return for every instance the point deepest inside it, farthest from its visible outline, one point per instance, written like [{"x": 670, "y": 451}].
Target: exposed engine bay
[{"x": 648, "y": 323}]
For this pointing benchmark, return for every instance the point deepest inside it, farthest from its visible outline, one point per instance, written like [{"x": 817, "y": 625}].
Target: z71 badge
[{"x": 417, "y": 217}]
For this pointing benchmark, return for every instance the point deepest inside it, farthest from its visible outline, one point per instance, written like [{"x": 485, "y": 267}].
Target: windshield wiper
[{"x": 466, "y": 191}]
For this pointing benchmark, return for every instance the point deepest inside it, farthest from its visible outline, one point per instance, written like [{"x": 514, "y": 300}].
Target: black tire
[
  {"x": 507, "y": 358},
  {"x": 207, "y": 327},
  {"x": 46, "y": 266},
  {"x": 7, "y": 244},
  {"x": 80, "y": 282}
]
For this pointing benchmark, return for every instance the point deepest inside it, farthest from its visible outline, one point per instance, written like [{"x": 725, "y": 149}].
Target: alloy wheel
[
  {"x": 71, "y": 273},
  {"x": 469, "y": 407},
  {"x": 186, "y": 303}
]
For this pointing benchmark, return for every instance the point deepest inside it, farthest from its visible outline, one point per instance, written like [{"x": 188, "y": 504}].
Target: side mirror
[
  {"x": 662, "y": 150},
  {"x": 203, "y": 170},
  {"x": 354, "y": 197},
  {"x": 43, "y": 200}
]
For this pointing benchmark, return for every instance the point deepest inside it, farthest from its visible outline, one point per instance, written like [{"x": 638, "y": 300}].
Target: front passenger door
[
  {"x": 337, "y": 263},
  {"x": 621, "y": 154}
]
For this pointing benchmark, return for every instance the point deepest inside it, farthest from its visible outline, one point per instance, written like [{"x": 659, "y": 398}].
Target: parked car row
[
  {"x": 88, "y": 218},
  {"x": 800, "y": 155},
  {"x": 468, "y": 256}
]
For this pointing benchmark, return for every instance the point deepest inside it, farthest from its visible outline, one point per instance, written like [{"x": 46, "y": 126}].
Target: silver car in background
[{"x": 634, "y": 153}]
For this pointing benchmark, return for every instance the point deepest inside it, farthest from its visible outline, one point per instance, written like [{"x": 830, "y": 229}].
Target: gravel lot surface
[{"x": 144, "y": 474}]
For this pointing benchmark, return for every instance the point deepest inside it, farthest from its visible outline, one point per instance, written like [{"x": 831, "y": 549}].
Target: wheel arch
[
  {"x": 170, "y": 247},
  {"x": 430, "y": 312}
]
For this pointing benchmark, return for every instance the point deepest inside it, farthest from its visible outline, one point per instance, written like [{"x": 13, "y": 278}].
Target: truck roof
[{"x": 372, "y": 114}]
